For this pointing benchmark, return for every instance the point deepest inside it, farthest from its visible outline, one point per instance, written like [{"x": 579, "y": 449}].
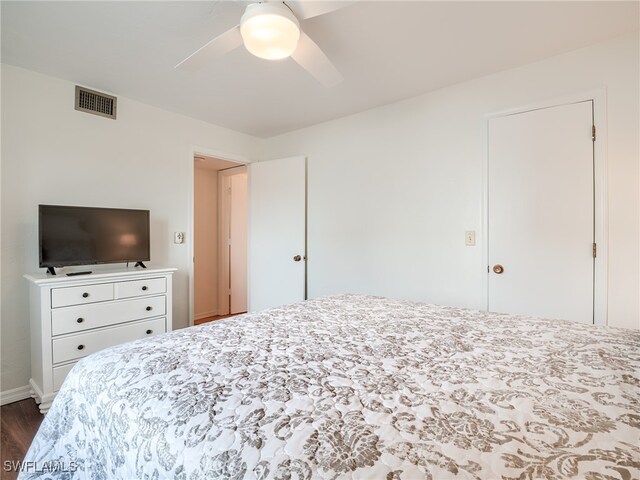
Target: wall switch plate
[
  {"x": 470, "y": 238},
  {"x": 178, "y": 237}
]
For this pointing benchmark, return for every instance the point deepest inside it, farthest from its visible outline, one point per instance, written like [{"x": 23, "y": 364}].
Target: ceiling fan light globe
[{"x": 270, "y": 31}]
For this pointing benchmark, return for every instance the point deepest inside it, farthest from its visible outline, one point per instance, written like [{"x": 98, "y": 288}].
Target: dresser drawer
[
  {"x": 137, "y": 288},
  {"x": 59, "y": 374},
  {"x": 81, "y": 345},
  {"x": 64, "y": 297},
  {"x": 86, "y": 317}
]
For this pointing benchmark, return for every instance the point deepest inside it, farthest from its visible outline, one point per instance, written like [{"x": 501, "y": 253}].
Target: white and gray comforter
[{"x": 353, "y": 387}]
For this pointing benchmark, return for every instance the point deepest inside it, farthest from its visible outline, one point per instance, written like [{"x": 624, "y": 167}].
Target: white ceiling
[{"x": 386, "y": 51}]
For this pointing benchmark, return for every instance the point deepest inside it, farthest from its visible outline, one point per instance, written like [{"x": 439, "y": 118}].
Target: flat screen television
[{"x": 90, "y": 235}]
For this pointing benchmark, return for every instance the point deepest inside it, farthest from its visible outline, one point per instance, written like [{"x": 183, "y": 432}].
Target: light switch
[
  {"x": 178, "y": 237},
  {"x": 470, "y": 238}
]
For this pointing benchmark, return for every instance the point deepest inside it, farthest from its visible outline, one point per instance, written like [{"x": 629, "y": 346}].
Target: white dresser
[{"x": 72, "y": 317}]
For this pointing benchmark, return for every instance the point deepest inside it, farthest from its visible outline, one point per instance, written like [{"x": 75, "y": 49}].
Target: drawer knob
[
  {"x": 80, "y": 347},
  {"x": 148, "y": 309},
  {"x": 149, "y": 332},
  {"x": 80, "y": 320},
  {"x": 144, "y": 288},
  {"x": 85, "y": 295}
]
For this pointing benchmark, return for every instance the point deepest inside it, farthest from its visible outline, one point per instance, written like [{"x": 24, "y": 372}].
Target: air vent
[{"x": 94, "y": 102}]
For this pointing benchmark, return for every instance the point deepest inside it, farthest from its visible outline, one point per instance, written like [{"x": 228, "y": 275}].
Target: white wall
[
  {"x": 392, "y": 190},
  {"x": 205, "y": 240},
  {"x": 54, "y": 154}
]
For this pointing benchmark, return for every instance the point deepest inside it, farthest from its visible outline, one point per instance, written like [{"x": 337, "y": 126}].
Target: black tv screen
[{"x": 89, "y": 235}]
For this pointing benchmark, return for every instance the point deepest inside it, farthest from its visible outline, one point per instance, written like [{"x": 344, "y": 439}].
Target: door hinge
[
  {"x": 593, "y": 133},
  {"x": 595, "y": 250}
]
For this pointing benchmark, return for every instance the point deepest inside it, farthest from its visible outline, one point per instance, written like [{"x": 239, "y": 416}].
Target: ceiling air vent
[{"x": 94, "y": 102}]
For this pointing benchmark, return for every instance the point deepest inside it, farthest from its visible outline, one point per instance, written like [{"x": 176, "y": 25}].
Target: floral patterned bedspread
[{"x": 353, "y": 387}]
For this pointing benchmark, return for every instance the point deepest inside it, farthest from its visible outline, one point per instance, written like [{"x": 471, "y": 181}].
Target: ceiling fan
[{"x": 271, "y": 30}]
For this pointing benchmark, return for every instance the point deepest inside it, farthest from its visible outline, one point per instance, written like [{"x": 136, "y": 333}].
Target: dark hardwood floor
[
  {"x": 214, "y": 318},
  {"x": 19, "y": 423}
]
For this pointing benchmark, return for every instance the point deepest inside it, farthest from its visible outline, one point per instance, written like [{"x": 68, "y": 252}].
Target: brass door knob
[
  {"x": 297, "y": 258},
  {"x": 497, "y": 268}
]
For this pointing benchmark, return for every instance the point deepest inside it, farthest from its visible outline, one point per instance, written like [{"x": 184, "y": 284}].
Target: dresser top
[{"x": 103, "y": 274}]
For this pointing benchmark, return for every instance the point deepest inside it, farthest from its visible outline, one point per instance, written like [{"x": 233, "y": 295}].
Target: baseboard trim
[{"x": 15, "y": 395}]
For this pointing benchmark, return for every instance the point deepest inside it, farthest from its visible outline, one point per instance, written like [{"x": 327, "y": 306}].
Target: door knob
[
  {"x": 297, "y": 258},
  {"x": 497, "y": 268}
]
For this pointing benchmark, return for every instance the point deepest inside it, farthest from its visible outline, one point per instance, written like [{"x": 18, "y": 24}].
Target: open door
[{"x": 277, "y": 232}]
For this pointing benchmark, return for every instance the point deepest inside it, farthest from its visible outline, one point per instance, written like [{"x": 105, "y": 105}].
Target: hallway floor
[{"x": 214, "y": 318}]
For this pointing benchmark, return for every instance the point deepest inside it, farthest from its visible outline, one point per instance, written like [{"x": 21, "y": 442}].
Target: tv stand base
[
  {"x": 51, "y": 270},
  {"x": 139, "y": 264},
  {"x": 73, "y": 274}
]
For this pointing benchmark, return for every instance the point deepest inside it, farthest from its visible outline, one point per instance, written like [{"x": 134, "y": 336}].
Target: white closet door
[
  {"x": 238, "y": 243},
  {"x": 277, "y": 232},
  {"x": 541, "y": 213}
]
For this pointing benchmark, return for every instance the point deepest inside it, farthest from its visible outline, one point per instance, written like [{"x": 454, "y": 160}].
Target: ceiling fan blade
[
  {"x": 310, "y": 57},
  {"x": 303, "y": 9},
  {"x": 217, "y": 47}
]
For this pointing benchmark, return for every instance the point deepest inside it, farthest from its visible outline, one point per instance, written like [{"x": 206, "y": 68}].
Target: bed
[{"x": 352, "y": 387}]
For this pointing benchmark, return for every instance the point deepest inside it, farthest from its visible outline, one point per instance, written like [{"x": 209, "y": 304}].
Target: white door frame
[
  {"x": 601, "y": 207},
  {"x": 195, "y": 150}
]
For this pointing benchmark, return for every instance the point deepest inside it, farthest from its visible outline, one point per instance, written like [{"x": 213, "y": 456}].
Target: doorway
[
  {"x": 544, "y": 219},
  {"x": 219, "y": 238}
]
